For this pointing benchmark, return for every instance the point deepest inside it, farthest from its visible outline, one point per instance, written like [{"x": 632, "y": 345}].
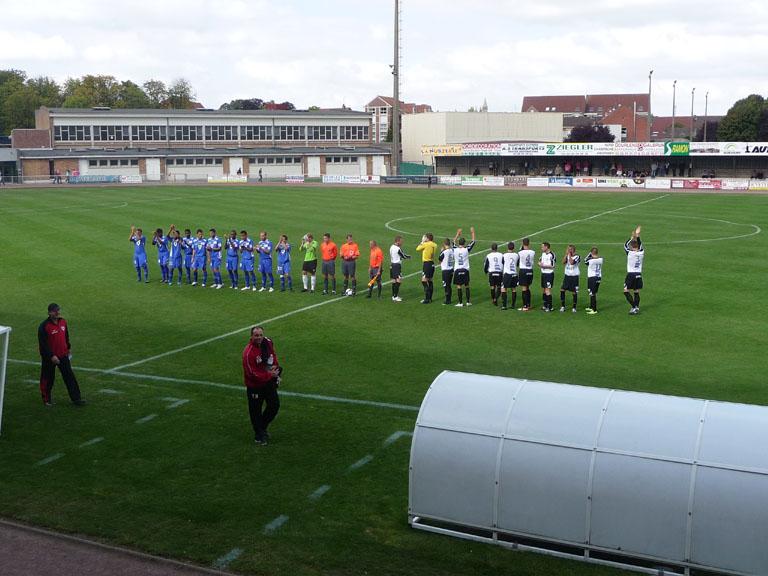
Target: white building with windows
[
  {"x": 380, "y": 109},
  {"x": 160, "y": 144}
]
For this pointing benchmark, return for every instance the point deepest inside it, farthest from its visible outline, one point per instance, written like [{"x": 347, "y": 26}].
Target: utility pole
[
  {"x": 395, "y": 120},
  {"x": 690, "y": 136},
  {"x": 674, "y": 92},
  {"x": 650, "y": 118},
  {"x": 706, "y": 103}
]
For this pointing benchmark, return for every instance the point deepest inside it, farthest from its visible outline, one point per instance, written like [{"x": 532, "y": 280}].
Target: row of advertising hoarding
[
  {"x": 647, "y": 183},
  {"x": 569, "y": 149}
]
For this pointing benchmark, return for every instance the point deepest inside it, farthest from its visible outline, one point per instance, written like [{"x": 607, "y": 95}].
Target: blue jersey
[
  {"x": 188, "y": 243},
  {"x": 214, "y": 247},
  {"x": 246, "y": 247},
  {"x": 265, "y": 250},
  {"x": 199, "y": 245},
  {"x": 162, "y": 244},
  {"x": 233, "y": 248},
  {"x": 176, "y": 250},
  {"x": 283, "y": 253},
  {"x": 139, "y": 246}
]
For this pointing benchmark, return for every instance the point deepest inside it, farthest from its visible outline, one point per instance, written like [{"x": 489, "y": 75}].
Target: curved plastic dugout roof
[{"x": 606, "y": 473}]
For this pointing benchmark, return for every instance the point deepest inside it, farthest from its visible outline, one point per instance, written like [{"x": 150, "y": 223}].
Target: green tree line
[{"x": 20, "y": 96}]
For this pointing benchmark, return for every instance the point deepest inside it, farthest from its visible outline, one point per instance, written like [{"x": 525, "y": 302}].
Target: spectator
[
  {"x": 654, "y": 169},
  {"x": 476, "y": 172},
  {"x": 567, "y": 168},
  {"x": 67, "y": 174},
  {"x": 558, "y": 170},
  {"x": 454, "y": 171},
  {"x": 260, "y": 176}
]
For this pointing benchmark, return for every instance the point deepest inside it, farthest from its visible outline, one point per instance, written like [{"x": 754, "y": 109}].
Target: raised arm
[{"x": 133, "y": 231}]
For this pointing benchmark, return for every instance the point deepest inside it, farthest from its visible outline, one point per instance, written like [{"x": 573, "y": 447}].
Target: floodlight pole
[
  {"x": 650, "y": 117},
  {"x": 693, "y": 93},
  {"x": 674, "y": 92},
  {"x": 395, "y": 120},
  {"x": 706, "y": 103}
]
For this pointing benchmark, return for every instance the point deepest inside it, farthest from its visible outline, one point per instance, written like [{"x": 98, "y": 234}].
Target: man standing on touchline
[
  {"x": 261, "y": 375},
  {"x": 53, "y": 340}
]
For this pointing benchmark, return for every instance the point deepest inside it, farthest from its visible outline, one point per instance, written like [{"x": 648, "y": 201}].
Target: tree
[
  {"x": 316, "y": 108},
  {"x": 741, "y": 122},
  {"x": 156, "y": 92},
  {"x": 130, "y": 95},
  {"x": 90, "y": 91},
  {"x": 246, "y": 104},
  {"x": 596, "y": 133},
  {"x": 18, "y": 109},
  {"x": 48, "y": 91},
  {"x": 712, "y": 126},
  {"x": 180, "y": 94},
  {"x": 762, "y": 126}
]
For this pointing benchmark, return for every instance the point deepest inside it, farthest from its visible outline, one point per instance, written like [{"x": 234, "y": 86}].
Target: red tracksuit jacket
[
  {"x": 257, "y": 362},
  {"x": 53, "y": 338}
]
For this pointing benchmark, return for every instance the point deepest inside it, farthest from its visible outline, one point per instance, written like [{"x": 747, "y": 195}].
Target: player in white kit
[
  {"x": 494, "y": 267},
  {"x": 570, "y": 277},
  {"x": 594, "y": 275},
  {"x": 461, "y": 265},
  {"x": 634, "y": 279}
]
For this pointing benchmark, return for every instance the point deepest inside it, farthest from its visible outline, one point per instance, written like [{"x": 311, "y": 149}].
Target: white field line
[
  {"x": 109, "y": 391},
  {"x": 395, "y": 437},
  {"x": 224, "y": 561},
  {"x": 271, "y": 527},
  {"x": 360, "y": 463},
  {"x": 174, "y": 402},
  {"x": 50, "y": 459},
  {"x": 91, "y": 442},
  {"x": 146, "y": 419},
  {"x": 320, "y": 492},
  {"x": 321, "y": 397},
  {"x": 339, "y": 298}
]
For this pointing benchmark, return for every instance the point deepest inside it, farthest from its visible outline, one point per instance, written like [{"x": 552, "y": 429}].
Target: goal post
[{"x": 5, "y": 336}]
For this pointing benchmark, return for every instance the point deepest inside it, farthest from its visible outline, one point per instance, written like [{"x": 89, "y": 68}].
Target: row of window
[
  {"x": 276, "y": 160},
  {"x": 193, "y": 161},
  {"x": 113, "y": 162},
  {"x": 341, "y": 159},
  {"x": 209, "y": 133}
]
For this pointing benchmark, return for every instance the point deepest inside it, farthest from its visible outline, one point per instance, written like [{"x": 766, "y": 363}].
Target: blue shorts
[
  {"x": 140, "y": 261},
  {"x": 231, "y": 264},
  {"x": 247, "y": 265},
  {"x": 284, "y": 268},
  {"x": 199, "y": 264},
  {"x": 265, "y": 266},
  {"x": 188, "y": 260},
  {"x": 176, "y": 262},
  {"x": 162, "y": 259},
  {"x": 215, "y": 263}
]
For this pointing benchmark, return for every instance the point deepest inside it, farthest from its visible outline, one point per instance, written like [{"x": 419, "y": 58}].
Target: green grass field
[{"x": 190, "y": 483}]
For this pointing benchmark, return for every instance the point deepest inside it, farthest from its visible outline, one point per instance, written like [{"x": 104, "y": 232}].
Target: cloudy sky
[{"x": 454, "y": 54}]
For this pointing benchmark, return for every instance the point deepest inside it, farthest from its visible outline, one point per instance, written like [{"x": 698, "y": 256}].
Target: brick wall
[
  {"x": 30, "y": 138},
  {"x": 34, "y": 168}
]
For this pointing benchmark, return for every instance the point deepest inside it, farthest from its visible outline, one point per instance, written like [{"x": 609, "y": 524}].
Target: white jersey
[
  {"x": 461, "y": 255},
  {"x": 547, "y": 259},
  {"x": 635, "y": 257},
  {"x": 396, "y": 254},
  {"x": 494, "y": 263},
  {"x": 447, "y": 259},
  {"x": 510, "y": 263},
  {"x": 594, "y": 267},
  {"x": 572, "y": 268},
  {"x": 527, "y": 257}
]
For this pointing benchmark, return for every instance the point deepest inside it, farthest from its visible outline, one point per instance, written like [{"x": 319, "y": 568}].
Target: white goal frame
[{"x": 5, "y": 334}]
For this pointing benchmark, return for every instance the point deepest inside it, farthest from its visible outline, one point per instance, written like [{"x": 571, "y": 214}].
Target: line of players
[{"x": 506, "y": 271}]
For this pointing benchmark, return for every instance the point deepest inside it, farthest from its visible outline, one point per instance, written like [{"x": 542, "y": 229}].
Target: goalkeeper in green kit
[{"x": 309, "y": 268}]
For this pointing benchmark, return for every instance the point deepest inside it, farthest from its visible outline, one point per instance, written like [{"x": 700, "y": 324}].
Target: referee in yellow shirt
[{"x": 427, "y": 249}]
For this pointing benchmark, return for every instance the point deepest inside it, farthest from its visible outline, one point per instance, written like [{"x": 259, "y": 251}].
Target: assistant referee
[{"x": 427, "y": 249}]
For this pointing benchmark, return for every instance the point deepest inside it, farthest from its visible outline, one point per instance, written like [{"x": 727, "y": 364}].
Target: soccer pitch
[{"x": 162, "y": 458}]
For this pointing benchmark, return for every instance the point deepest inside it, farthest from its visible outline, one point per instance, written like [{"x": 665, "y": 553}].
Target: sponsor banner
[
  {"x": 584, "y": 182},
  {"x": 341, "y": 179},
  {"x": 132, "y": 179},
  {"x": 401, "y": 179},
  {"x": 94, "y": 179},
  {"x": 450, "y": 180},
  {"x": 516, "y": 181},
  {"x": 658, "y": 183},
  {"x": 228, "y": 179},
  {"x": 333, "y": 179},
  {"x": 758, "y": 184},
  {"x": 560, "y": 181},
  {"x": 573, "y": 149},
  {"x": 685, "y": 183},
  {"x": 735, "y": 184},
  {"x": 515, "y": 149},
  {"x": 637, "y": 149},
  {"x": 370, "y": 180},
  {"x": 756, "y": 148},
  {"x": 677, "y": 148},
  {"x": 294, "y": 179},
  {"x": 538, "y": 182},
  {"x": 482, "y": 149},
  {"x": 391, "y": 179},
  {"x": 493, "y": 180},
  {"x": 615, "y": 182},
  {"x": 471, "y": 180},
  {"x": 442, "y": 150},
  {"x": 710, "y": 184}
]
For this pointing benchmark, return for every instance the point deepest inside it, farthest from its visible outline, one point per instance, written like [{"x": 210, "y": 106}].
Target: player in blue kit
[
  {"x": 176, "y": 254},
  {"x": 139, "y": 253},
  {"x": 233, "y": 252},
  {"x": 265, "y": 262},
  {"x": 284, "y": 262},
  {"x": 162, "y": 242},
  {"x": 247, "y": 261},
  {"x": 199, "y": 257},
  {"x": 213, "y": 248},
  {"x": 186, "y": 243}
]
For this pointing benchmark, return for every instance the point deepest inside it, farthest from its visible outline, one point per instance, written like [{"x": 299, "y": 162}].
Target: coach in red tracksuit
[
  {"x": 261, "y": 375},
  {"x": 53, "y": 340}
]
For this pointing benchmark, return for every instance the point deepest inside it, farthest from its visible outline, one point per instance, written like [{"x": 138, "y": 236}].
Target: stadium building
[{"x": 178, "y": 145}]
